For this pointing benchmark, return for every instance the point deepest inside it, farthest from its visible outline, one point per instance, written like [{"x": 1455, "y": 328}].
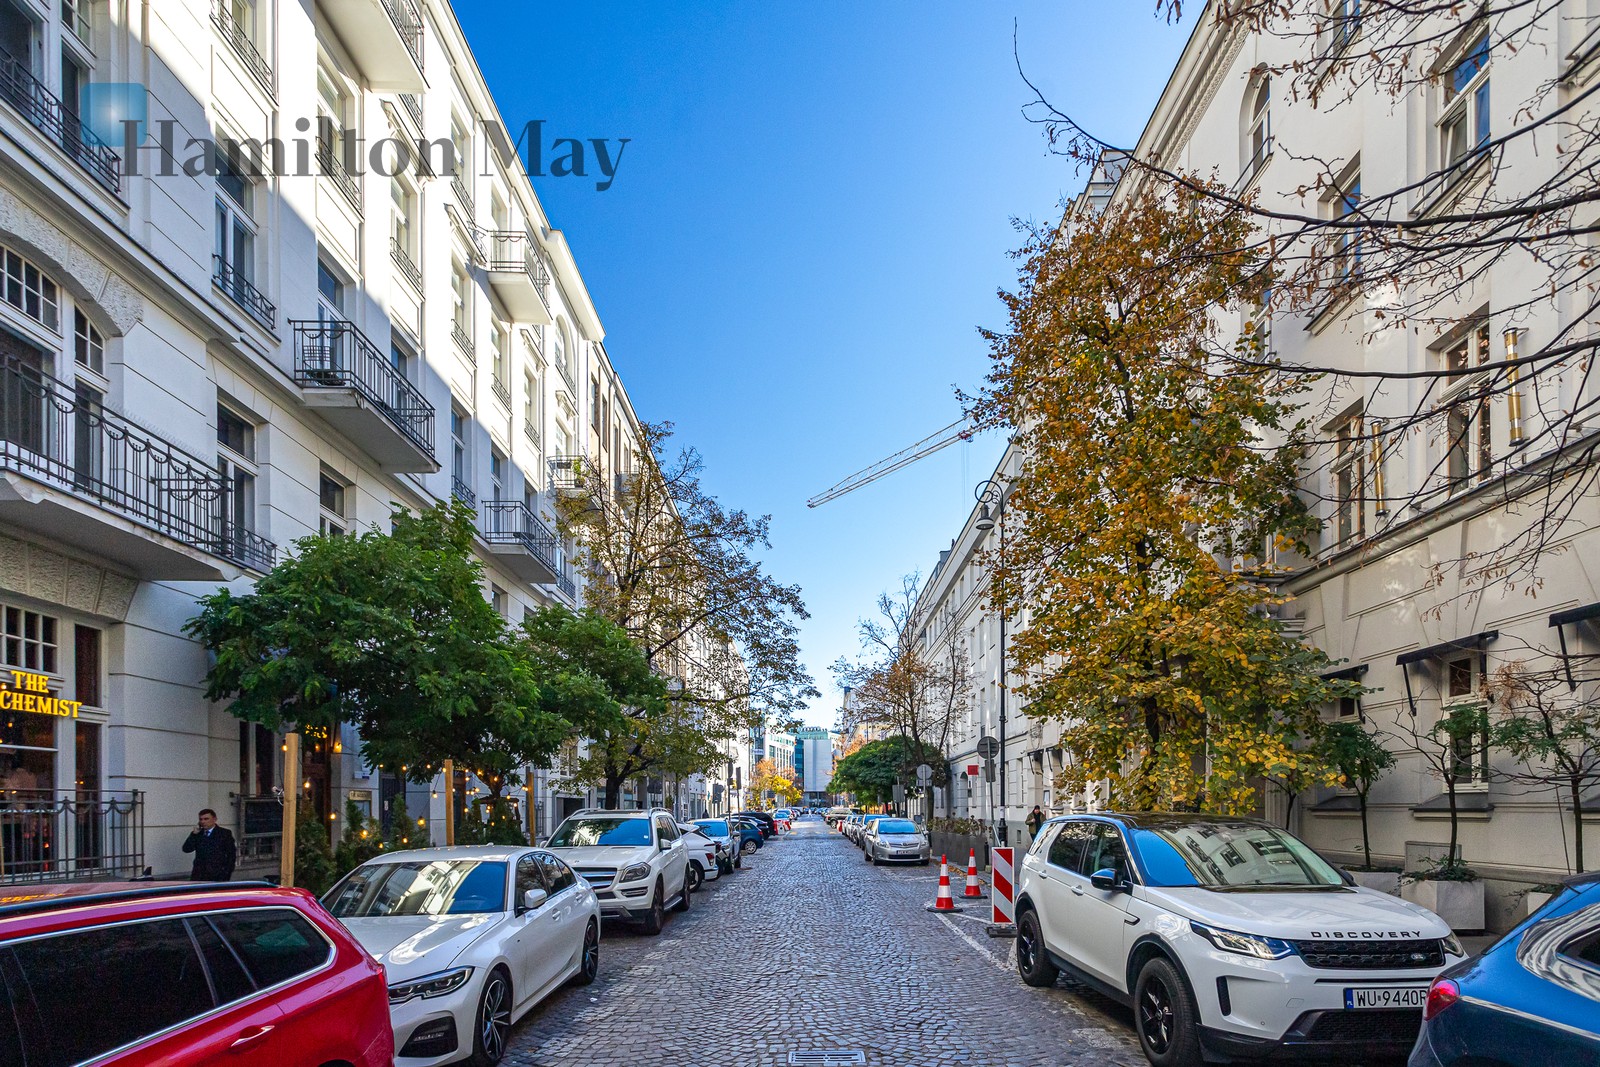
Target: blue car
[
  {"x": 750, "y": 837},
  {"x": 1531, "y": 1000}
]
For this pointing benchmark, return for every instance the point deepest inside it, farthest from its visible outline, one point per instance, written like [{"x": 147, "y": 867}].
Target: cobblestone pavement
[{"x": 810, "y": 949}]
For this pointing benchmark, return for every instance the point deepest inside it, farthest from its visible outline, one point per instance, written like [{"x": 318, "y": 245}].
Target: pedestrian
[
  {"x": 212, "y": 845},
  {"x": 1034, "y": 820}
]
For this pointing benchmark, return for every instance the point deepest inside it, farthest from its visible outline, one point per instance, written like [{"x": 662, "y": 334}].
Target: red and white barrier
[
  {"x": 972, "y": 889},
  {"x": 1002, "y": 890}
]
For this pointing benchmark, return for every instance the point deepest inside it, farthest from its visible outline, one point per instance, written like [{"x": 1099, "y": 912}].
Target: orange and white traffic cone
[
  {"x": 944, "y": 901},
  {"x": 972, "y": 889}
]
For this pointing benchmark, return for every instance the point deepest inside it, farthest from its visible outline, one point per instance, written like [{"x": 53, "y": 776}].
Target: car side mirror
[
  {"x": 1106, "y": 880},
  {"x": 534, "y": 899}
]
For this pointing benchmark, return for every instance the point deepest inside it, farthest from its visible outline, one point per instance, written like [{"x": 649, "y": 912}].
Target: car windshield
[
  {"x": 780, "y": 814},
  {"x": 896, "y": 826},
  {"x": 583, "y": 833},
  {"x": 1231, "y": 856},
  {"x": 422, "y": 887},
  {"x": 715, "y": 829}
]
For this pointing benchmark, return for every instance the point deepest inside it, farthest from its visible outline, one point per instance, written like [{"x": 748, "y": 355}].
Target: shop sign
[{"x": 26, "y": 691}]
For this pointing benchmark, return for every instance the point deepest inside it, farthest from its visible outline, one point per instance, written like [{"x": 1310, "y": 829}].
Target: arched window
[{"x": 1258, "y": 127}]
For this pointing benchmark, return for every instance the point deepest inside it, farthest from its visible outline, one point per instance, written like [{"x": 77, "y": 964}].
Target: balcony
[
  {"x": 45, "y": 112},
  {"x": 406, "y": 265},
  {"x": 79, "y": 475},
  {"x": 462, "y": 491},
  {"x": 518, "y": 539},
  {"x": 518, "y": 276},
  {"x": 384, "y": 38},
  {"x": 464, "y": 196},
  {"x": 330, "y": 164},
  {"x": 567, "y": 584},
  {"x": 239, "y": 39},
  {"x": 502, "y": 392},
  {"x": 76, "y": 835},
  {"x": 575, "y": 478},
  {"x": 363, "y": 395},
  {"x": 227, "y": 278}
]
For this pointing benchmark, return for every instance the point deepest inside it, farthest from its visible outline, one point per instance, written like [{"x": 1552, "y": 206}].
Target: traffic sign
[
  {"x": 899, "y": 793},
  {"x": 924, "y": 773},
  {"x": 988, "y": 747}
]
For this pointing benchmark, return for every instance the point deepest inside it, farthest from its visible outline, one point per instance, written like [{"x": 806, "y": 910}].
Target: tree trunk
[
  {"x": 1366, "y": 841},
  {"x": 1455, "y": 819},
  {"x": 1576, "y": 783},
  {"x": 613, "y": 789}
]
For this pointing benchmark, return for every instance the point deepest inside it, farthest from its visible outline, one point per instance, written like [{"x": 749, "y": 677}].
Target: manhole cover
[{"x": 840, "y": 1057}]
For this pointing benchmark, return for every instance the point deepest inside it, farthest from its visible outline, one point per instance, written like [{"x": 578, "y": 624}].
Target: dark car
[
  {"x": 769, "y": 825},
  {"x": 750, "y": 833},
  {"x": 1531, "y": 1000},
  {"x": 236, "y": 975}
]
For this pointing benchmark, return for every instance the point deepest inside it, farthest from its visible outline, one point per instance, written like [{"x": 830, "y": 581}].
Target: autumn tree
[
  {"x": 679, "y": 572},
  {"x": 1361, "y": 759},
  {"x": 899, "y": 684},
  {"x": 1147, "y": 479}
]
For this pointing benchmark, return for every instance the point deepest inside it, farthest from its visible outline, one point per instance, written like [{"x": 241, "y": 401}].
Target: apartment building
[
  {"x": 1389, "y": 592},
  {"x": 201, "y": 362}
]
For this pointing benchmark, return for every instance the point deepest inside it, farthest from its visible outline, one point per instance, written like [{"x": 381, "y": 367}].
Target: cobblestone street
[{"x": 809, "y": 949}]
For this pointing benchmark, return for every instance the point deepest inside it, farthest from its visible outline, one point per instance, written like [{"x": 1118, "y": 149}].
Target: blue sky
[{"x": 805, "y": 231}]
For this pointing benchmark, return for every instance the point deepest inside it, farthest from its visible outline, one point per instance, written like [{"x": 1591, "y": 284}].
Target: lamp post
[{"x": 993, "y": 492}]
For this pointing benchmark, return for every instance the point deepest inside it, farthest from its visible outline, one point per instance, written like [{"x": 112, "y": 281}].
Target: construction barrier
[
  {"x": 972, "y": 889},
  {"x": 1002, "y": 890}
]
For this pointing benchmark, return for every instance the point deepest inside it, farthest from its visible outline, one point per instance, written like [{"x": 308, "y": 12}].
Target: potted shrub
[
  {"x": 1448, "y": 888},
  {"x": 1537, "y": 896}
]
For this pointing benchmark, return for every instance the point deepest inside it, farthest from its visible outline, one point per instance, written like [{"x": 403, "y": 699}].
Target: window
[
  {"x": 1464, "y": 114},
  {"x": 75, "y": 17},
  {"x": 1067, "y": 848},
  {"x": 531, "y": 395},
  {"x": 28, "y": 640},
  {"x": 1105, "y": 851},
  {"x": 1349, "y": 708},
  {"x": 1260, "y": 324},
  {"x": 333, "y": 110},
  {"x": 1349, "y": 479},
  {"x": 502, "y": 359},
  {"x": 556, "y": 873},
  {"x": 331, "y": 494},
  {"x": 235, "y": 248},
  {"x": 274, "y": 944},
  {"x": 1469, "y": 451},
  {"x": 497, "y": 475},
  {"x": 1463, "y": 697},
  {"x": 1258, "y": 129},
  {"x": 235, "y": 432},
  {"x": 458, "y": 451},
  {"x": 1347, "y": 238},
  {"x": 497, "y": 599},
  {"x": 1346, "y": 23},
  {"x": 461, "y": 303},
  {"x": 88, "y": 347},
  {"x": 29, "y": 291},
  {"x": 330, "y": 293},
  {"x": 236, "y": 436},
  {"x": 594, "y": 404},
  {"x": 400, "y": 360},
  {"x": 530, "y": 875},
  {"x": 86, "y": 666},
  {"x": 401, "y": 223}
]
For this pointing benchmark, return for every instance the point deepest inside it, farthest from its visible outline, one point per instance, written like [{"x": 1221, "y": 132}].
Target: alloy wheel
[
  {"x": 1156, "y": 1015},
  {"x": 591, "y": 953},
  {"x": 494, "y": 1020}
]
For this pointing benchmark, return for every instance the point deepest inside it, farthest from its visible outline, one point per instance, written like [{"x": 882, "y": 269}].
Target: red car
[{"x": 246, "y": 975}]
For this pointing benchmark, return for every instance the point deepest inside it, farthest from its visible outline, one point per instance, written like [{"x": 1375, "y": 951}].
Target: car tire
[
  {"x": 693, "y": 879},
  {"x": 748, "y": 848},
  {"x": 872, "y": 859},
  {"x": 1033, "y": 962},
  {"x": 656, "y": 917},
  {"x": 688, "y": 888},
  {"x": 492, "y": 1024},
  {"x": 1164, "y": 1016},
  {"x": 589, "y": 962}
]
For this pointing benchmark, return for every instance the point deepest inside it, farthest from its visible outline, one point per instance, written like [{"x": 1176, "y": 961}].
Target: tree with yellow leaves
[{"x": 1153, "y": 473}]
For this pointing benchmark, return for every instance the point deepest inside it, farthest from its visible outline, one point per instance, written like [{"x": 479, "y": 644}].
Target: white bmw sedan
[{"x": 471, "y": 938}]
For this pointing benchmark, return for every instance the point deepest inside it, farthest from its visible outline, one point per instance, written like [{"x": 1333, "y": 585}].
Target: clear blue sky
[{"x": 809, "y": 223}]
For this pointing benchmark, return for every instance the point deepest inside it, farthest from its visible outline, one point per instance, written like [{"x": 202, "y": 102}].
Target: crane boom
[{"x": 960, "y": 430}]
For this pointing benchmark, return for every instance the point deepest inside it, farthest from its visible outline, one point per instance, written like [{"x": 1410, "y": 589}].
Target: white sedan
[{"x": 471, "y": 938}]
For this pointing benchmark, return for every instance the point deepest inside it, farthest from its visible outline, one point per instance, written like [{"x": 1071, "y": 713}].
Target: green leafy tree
[
  {"x": 314, "y": 866},
  {"x": 872, "y": 771},
  {"x": 390, "y": 632},
  {"x": 1361, "y": 759},
  {"x": 361, "y": 840},
  {"x": 1154, "y": 472}
]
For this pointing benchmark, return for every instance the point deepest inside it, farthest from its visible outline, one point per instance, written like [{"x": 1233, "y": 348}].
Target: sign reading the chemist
[{"x": 26, "y": 691}]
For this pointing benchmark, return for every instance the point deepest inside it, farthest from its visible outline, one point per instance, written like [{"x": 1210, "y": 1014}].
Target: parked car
[
  {"x": 769, "y": 825},
  {"x": 896, "y": 841},
  {"x": 750, "y": 836},
  {"x": 635, "y": 861},
  {"x": 1531, "y": 1000},
  {"x": 203, "y": 973},
  {"x": 1229, "y": 938},
  {"x": 723, "y": 832},
  {"x": 471, "y": 938},
  {"x": 784, "y": 817},
  {"x": 836, "y": 816},
  {"x": 705, "y": 863},
  {"x": 852, "y": 826},
  {"x": 863, "y": 827}
]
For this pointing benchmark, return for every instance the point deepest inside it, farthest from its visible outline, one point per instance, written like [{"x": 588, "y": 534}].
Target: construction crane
[{"x": 961, "y": 430}]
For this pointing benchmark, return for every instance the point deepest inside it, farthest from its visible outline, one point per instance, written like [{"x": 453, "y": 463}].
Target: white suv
[
  {"x": 635, "y": 861},
  {"x": 1228, "y": 938}
]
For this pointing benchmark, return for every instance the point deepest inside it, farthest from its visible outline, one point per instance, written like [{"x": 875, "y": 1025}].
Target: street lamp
[{"x": 991, "y": 491}]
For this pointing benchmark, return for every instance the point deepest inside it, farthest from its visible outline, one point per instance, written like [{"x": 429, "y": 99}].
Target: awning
[
  {"x": 1444, "y": 648},
  {"x": 1562, "y": 619},
  {"x": 1347, "y": 674},
  {"x": 1341, "y": 802},
  {"x": 1468, "y": 803}
]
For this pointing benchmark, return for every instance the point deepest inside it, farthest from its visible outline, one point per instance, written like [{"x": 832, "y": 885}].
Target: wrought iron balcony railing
[
  {"x": 516, "y": 250},
  {"x": 570, "y": 474},
  {"x": 463, "y": 195},
  {"x": 45, "y": 112},
  {"x": 567, "y": 584},
  {"x": 413, "y": 105},
  {"x": 332, "y": 167},
  {"x": 333, "y": 354},
  {"x": 535, "y": 339},
  {"x": 238, "y": 37},
  {"x": 501, "y": 391},
  {"x": 405, "y": 263},
  {"x": 510, "y": 522},
  {"x": 531, "y": 432},
  {"x": 232, "y": 281},
  {"x": 462, "y": 491},
  {"x": 463, "y": 340},
  {"x": 408, "y": 23},
  {"x": 68, "y": 439},
  {"x": 75, "y": 835}
]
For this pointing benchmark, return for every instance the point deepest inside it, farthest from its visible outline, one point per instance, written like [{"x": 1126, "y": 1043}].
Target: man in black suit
[{"x": 212, "y": 845}]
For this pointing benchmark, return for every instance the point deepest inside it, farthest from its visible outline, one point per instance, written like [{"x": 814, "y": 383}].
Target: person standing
[
  {"x": 212, "y": 845},
  {"x": 1034, "y": 821}
]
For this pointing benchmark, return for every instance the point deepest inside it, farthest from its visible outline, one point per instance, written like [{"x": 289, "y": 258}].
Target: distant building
[{"x": 813, "y": 762}]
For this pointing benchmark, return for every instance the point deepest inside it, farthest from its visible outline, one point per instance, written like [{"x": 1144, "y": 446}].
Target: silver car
[{"x": 891, "y": 840}]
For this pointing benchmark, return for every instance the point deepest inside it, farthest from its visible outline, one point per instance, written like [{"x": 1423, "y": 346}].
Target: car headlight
[
  {"x": 429, "y": 985},
  {"x": 1452, "y": 945},
  {"x": 637, "y": 873},
  {"x": 1262, "y": 948}
]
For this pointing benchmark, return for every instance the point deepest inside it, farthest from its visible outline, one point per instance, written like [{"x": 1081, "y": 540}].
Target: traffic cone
[
  {"x": 944, "y": 901},
  {"x": 972, "y": 875}
]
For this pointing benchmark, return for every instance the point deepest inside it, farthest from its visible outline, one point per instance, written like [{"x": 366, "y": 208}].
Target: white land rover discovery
[
  {"x": 1229, "y": 938},
  {"x": 635, "y": 862}
]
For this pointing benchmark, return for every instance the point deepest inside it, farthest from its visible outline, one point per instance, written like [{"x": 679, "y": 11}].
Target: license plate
[{"x": 1385, "y": 997}]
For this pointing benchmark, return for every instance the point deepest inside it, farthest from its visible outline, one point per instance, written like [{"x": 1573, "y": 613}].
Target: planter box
[
  {"x": 1460, "y": 904},
  {"x": 1534, "y": 901},
  {"x": 956, "y": 847},
  {"x": 1382, "y": 881}
]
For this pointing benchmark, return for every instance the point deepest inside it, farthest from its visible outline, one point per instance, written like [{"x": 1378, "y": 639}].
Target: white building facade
[{"x": 198, "y": 367}]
